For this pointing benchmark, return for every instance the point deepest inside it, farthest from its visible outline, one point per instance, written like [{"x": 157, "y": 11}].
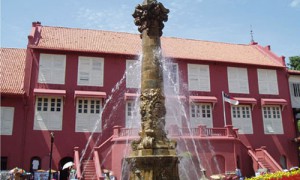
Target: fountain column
[{"x": 153, "y": 156}]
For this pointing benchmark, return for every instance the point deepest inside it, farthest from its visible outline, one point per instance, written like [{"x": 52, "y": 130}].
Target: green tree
[{"x": 294, "y": 63}]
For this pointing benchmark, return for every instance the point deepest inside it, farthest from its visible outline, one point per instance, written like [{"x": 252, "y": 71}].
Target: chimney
[
  {"x": 36, "y": 26},
  {"x": 268, "y": 47},
  {"x": 283, "y": 59}
]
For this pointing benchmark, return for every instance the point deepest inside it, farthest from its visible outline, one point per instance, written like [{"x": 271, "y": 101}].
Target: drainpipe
[{"x": 24, "y": 133}]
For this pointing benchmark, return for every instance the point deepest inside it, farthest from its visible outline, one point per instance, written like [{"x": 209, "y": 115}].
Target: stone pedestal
[{"x": 154, "y": 167}]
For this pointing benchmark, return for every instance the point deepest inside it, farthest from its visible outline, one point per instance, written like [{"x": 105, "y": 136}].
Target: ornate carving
[
  {"x": 152, "y": 110},
  {"x": 150, "y": 17}
]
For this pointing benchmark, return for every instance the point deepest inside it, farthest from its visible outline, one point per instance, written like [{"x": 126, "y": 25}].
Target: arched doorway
[
  {"x": 64, "y": 173},
  {"x": 218, "y": 164},
  {"x": 35, "y": 163},
  {"x": 283, "y": 163}
]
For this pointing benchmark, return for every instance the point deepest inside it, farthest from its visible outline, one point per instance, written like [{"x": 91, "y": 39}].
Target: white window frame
[
  {"x": 7, "y": 120},
  {"x": 52, "y": 69},
  {"x": 174, "y": 112},
  {"x": 88, "y": 115},
  {"x": 238, "y": 80},
  {"x": 48, "y": 113},
  {"x": 133, "y": 74},
  {"x": 272, "y": 119},
  {"x": 294, "y": 83},
  {"x": 267, "y": 81},
  {"x": 198, "y": 77},
  {"x": 132, "y": 114},
  {"x": 171, "y": 77},
  {"x": 201, "y": 114},
  {"x": 295, "y": 89},
  {"x": 88, "y": 73},
  {"x": 242, "y": 118}
]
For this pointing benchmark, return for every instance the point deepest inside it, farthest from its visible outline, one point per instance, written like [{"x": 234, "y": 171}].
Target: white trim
[
  {"x": 267, "y": 81},
  {"x": 88, "y": 115},
  {"x": 201, "y": 114},
  {"x": 238, "y": 80},
  {"x": 7, "y": 120},
  {"x": 198, "y": 77},
  {"x": 133, "y": 74},
  {"x": 272, "y": 119},
  {"x": 52, "y": 69},
  {"x": 48, "y": 113},
  {"x": 132, "y": 115},
  {"x": 242, "y": 118},
  {"x": 90, "y": 71}
]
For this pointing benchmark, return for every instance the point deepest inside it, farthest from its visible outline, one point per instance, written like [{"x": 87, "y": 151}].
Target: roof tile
[
  {"x": 99, "y": 41},
  {"x": 12, "y": 70}
]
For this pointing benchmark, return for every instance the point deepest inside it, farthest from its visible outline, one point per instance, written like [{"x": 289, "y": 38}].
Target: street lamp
[{"x": 50, "y": 161}]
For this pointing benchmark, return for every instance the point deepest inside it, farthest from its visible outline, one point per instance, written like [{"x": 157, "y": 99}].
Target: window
[
  {"x": 238, "y": 80},
  {"x": 7, "y": 119},
  {"x": 272, "y": 120},
  {"x": 294, "y": 86},
  {"x": 174, "y": 112},
  {"x": 48, "y": 113},
  {"x": 88, "y": 115},
  {"x": 296, "y": 89},
  {"x": 52, "y": 69},
  {"x": 241, "y": 118},
  {"x": 171, "y": 77},
  {"x": 198, "y": 77},
  {"x": 132, "y": 115},
  {"x": 90, "y": 71},
  {"x": 133, "y": 74},
  {"x": 201, "y": 114},
  {"x": 267, "y": 81}
]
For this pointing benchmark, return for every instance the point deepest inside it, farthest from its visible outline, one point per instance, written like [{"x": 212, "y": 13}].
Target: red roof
[
  {"x": 12, "y": 72},
  {"x": 73, "y": 39},
  {"x": 293, "y": 72}
]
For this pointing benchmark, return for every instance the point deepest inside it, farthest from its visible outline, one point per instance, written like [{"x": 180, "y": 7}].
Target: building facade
[{"x": 83, "y": 85}]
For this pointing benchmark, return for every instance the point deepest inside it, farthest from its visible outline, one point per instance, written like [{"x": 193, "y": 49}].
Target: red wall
[
  {"x": 37, "y": 143},
  {"x": 12, "y": 146}
]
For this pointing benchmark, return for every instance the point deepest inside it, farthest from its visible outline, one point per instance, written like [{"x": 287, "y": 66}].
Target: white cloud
[
  {"x": 295, "y": 3},
  {"x": 105, "y": 19}
]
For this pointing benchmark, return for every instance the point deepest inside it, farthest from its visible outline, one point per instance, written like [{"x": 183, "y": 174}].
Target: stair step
[{"x": 88, "y": 170}]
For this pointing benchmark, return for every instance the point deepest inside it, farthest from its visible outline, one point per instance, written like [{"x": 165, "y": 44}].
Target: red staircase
[
  {"x": 88, "y": 170},
  {"x": 263, "y": 160}
]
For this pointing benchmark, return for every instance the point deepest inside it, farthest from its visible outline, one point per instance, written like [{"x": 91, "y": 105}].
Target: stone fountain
[{"x": 153, "y": 155}]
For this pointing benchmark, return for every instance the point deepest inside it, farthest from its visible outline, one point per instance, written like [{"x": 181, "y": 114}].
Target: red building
[{"x": 83, "y": 86}]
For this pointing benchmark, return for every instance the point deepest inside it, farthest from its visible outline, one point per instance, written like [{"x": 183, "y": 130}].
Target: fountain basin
[{"x": 156, "y": 167}]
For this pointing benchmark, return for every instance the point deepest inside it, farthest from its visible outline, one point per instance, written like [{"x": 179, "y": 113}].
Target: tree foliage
[{"x": 294, "y": 63}]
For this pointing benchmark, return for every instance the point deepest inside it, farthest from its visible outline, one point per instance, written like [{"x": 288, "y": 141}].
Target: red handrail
[
  {"x": 97, "y": 163},
  {"x": 256, "y": 163},
  {"x": 77, "y": 162},
  {"x": 271, "y": 161}
]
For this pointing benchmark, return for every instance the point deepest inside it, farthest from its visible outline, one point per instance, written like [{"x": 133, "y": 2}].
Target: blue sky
[{"x": 274, "y": 22}]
